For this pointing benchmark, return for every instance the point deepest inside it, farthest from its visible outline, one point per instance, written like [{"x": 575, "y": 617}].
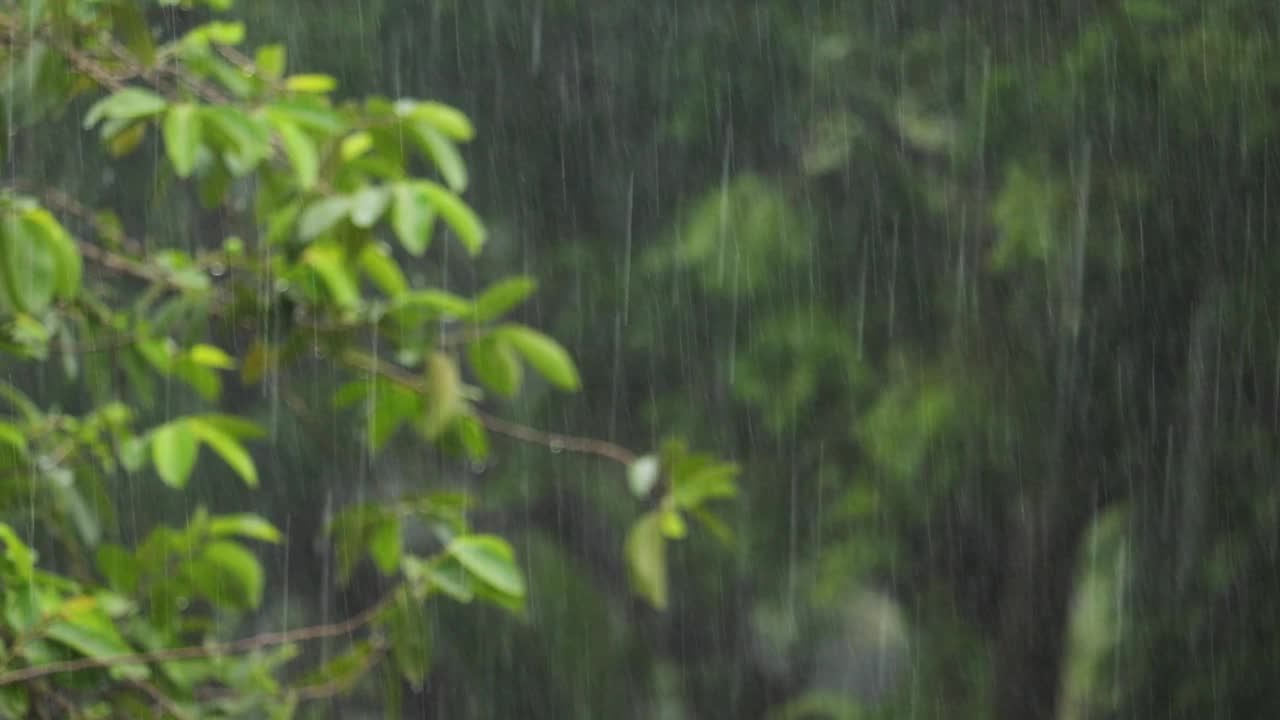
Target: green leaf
[
  {"x": 227, "y": 573},
  {"x": 322, "y": 215},
  {"x": 173, "y": 452},
  {"x": 647, "y": 559},
  {"x": 382, "y": 269},
  {"x": 130, "y": 103},
  {"x": 299, "y": 149},
  {"x": 245, "y": 525},
  {"x": 543, "y": 354},
  {"x": 130, "y": 25},
  {"x": 444, "y": 118},
  {"x": 410, "y": 640},
  {"x": 354, "y": 145},
  {"x": 439, "y": 301},
  {"x": 45, "y": 230},
  {"x": 182, "y": 137},
  {"x": 502, "y": 296},
  {"x": 29, "y": 264},
  {"x": 330, "y": 263},
  {"x": 368, "y": 204},
  {"x": 245, "y": 139},
  {"x": 311, "y": 83},
  {"x": 708, "y": 483},
  {"x": 270, "y": 61},
  {"x": 642, "y": 475},
  {"x": 489, "y": 559},
  {"x": 314, "y": 115},
  {"x": 441, "y": 151},
  {"x": 12, "y": 436},
  {"x": 233, "y": 425},
  {"x": 673, "y": 525},
  {"x": 461, "y": 219},
  {"x": 385, "y": 544},
  {"x": 443, "y": 395},
  {"x": 92, "y": 634},
  {"x": 210, "y": 356},
  {"x": 412, "y": 217},
  {"x": 119, "y": 567},
  {"x": 496, "y": 365},
  {"x": 227, "y": 448}
]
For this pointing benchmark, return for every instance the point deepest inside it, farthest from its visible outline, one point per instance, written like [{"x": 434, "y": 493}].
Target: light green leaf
[
  {"x": 299, "y": 149},
  {"x": 173, "y": 452},
  {"x": 354, "y": 145},
  {"x": 444, "y": 118},
  {"x": 385, "y": 544},
  {"x": 502, "y": 296},
  {"x": 382, "y": 269},
  {"x": 314, "y": 115},
  {"x": 643, "y": 474},
  {"x": 131, "y": 103},
  {"x": 673, "y": 525},
  {"x": 443, "y": 395},
  {"x": 412, "y": 217},
  {"x": 12, "y": 436},
  {"x": 410, "y": 637},
  {"x": 368, "y": 204},
  {"x": 647, "y": 559},
  {"x": 708, "y": 483},
  {"x": 29, "y": 264},
  {"x": 311, "y": 83},
  {"x": 182, "y": 137},
  {"x": 438, "y": 301},
  {"x": 270, "y": 61},
  {"x": 210, "y": 356},
  {"x": 495, "y": 364},
  {"x": 227, "y": 448},
  {"x": 329, "y": 261},
  {"x": 245, "y": 139},
  {"x": 45, "y": 229},
  {"x": 489, "y": 559},
  {"x": 233, "y": 425},
  {"x": 441, "y": 151},
  {"x": 461, "y": 219},
  {"x": 543, "y": 354},
  {"x": 92, "y": 634},
  {"x": 246, "y": 525},
  {"x": 227, "y": 573},
  {"x": 322, "y": 215}
]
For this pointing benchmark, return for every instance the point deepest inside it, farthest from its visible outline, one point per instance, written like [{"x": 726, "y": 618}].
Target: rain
[{"x": 753, "y": 359}]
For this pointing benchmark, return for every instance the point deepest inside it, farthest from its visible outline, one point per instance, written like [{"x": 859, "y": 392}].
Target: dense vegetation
[{"x": 977, "y": 295}]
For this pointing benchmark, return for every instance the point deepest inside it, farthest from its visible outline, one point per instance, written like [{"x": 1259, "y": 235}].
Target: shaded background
[{"x": 982, "y": 295}]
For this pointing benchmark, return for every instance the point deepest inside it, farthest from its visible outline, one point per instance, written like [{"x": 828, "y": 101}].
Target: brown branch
[
  {"x": 243, "y": 645},
  {"x": 516, "y": 431}
]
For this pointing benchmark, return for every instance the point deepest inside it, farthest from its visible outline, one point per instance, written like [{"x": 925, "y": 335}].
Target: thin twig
[
  {"x": 159, "y": 698},
  {"x": 242, "y": 645},
  {"x": 516, "y": 431}
]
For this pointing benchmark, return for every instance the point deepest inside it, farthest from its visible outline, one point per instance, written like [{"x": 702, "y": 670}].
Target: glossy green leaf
[
  {"x": 382, "y": 269},
  {"x": 443, "y": 395},
  {"x": 330, "y": 263},
  {"x": 354, "y": 145},
  {"x": 210, "y": 356},
  {"x": 299, "y": 149},
  {"x": 500, "y": 297},
  {"x": 182, "y": 137},
  {"x": 314, "y": 115},
  {"x": 441, "y": 151},
  {"x": 368, "y": 204},
  {"x": 444, "y": 118},
  {"x": 245, "y": 525},
  {"x": 228, "y": 574},
  {"x": 174, "y": 448},
  {"x": 29, "y": 265},
  {"x": 270, "y": 61},
  {"x": 543, "y": 354},
  {"x": 489, "y": 559},
  {"x": 709, "y": 483},
  {"x": 228, "y": 448},
  {"x": 412, "y": 217},
  {"x": 244, "y": 139},
  {"x": 647, "y": 559},
  {"x": 460, "y": 218},
  {"x": 410, "y": 636},
  {"x": 385, "y": 544},
  {"x": 130, "y": 103},
  {"x": 322, "y": 215},
  {"x": 496, "y": 365},
  {"x": 311, "y": 83}
]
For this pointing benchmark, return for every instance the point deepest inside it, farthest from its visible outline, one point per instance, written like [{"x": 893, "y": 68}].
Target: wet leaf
[
  {"x": 489, "y": 559},
  {"x": 647, "y": 559},
  {"x": 543, "y": 354},
  {"x": 182, "y": 137},
  {"x": 174, "y": 447}
]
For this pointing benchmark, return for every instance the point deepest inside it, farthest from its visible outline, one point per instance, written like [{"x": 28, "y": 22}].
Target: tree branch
[{"x": 243, "y": 645}]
